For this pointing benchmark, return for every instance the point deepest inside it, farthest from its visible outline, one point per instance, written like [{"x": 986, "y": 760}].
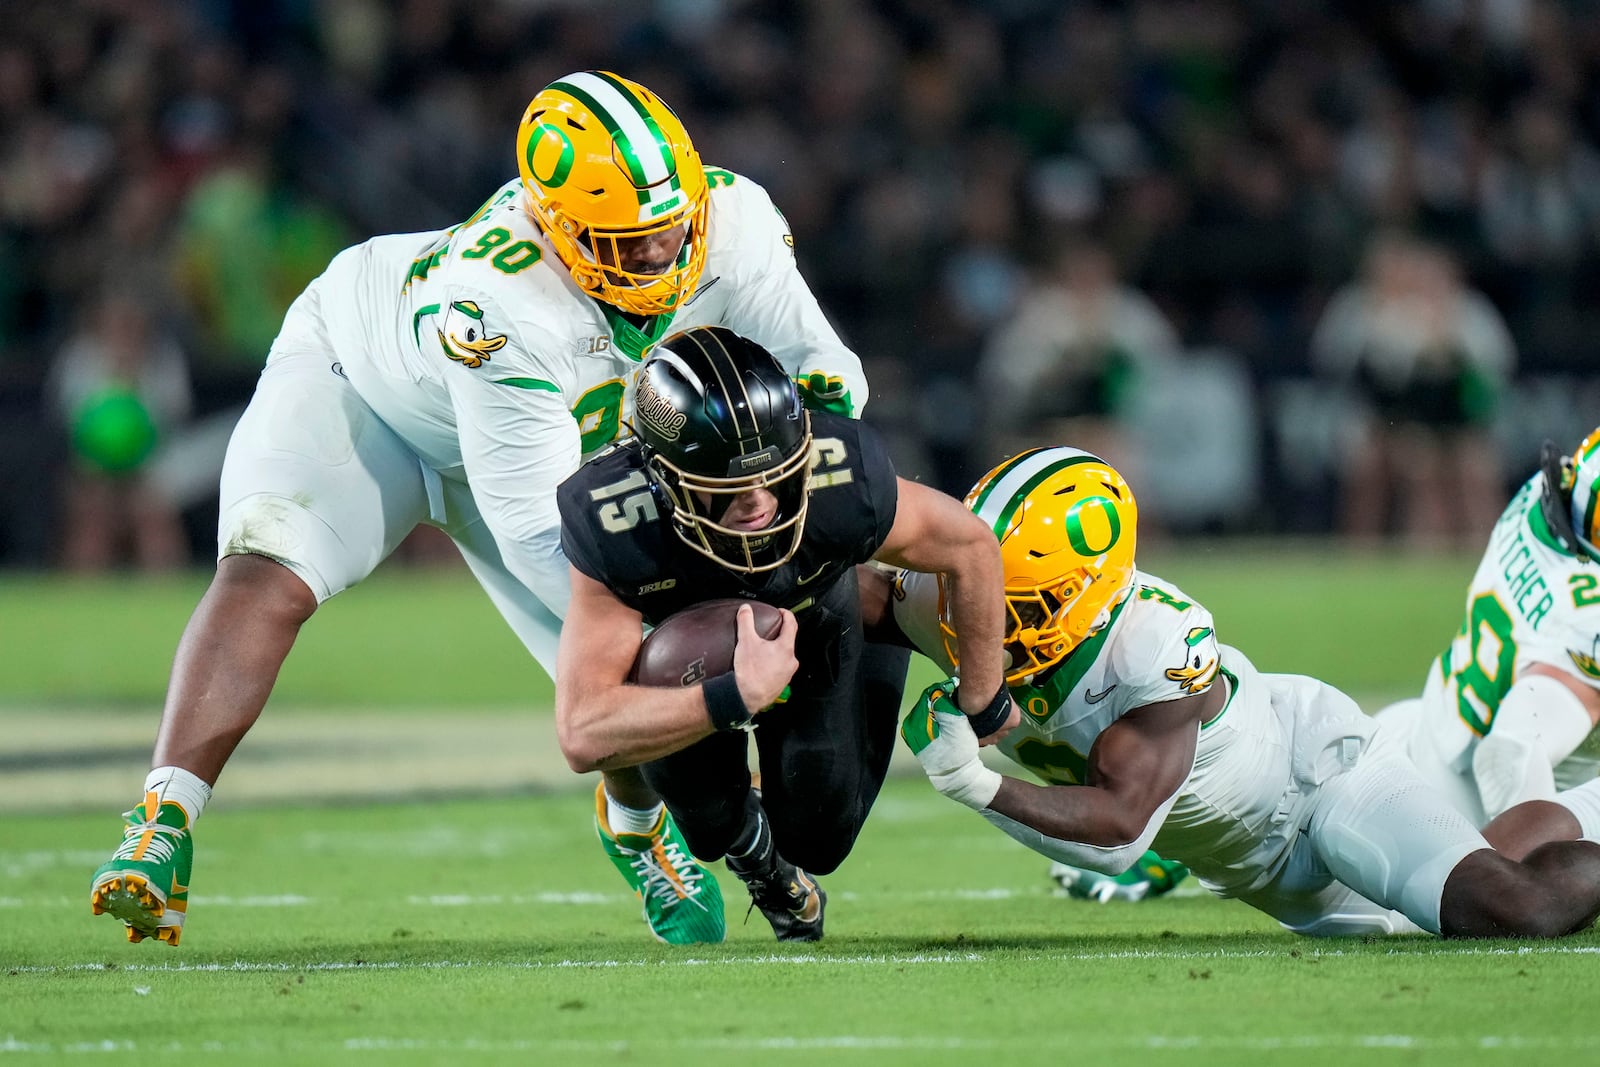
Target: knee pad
[{"x": 283, "y": 530}]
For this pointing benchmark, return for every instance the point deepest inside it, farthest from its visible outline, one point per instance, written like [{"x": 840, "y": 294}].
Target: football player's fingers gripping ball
[
  {"x": 820, "y": 391},
  {"x": 940, "y": 735}
]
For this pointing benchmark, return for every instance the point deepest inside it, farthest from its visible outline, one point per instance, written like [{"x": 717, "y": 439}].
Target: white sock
[
  {"x": 1584, "y": 803},
  {"x": 181, "y": 788},
  {"x": 632, "y": 820}
]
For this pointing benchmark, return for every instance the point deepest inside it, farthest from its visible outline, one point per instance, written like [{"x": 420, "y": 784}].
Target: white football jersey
[
  {"x": 1529, "y": 603},
  {"x": 477, "y": 348},
  {"x": 1238, "y": 814}
]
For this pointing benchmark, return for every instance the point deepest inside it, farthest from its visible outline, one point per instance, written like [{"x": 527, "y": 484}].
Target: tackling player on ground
[
  {"x": 1509, "y": 709},
  {"x": 1275, "y": 789},
  {"x": 453, "y": 378}
]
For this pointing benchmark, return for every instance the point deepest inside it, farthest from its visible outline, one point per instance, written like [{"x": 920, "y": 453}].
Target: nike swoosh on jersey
[
  {"x": 811, "y": 577},
  {"x": 1091, "y": 697},
  {"x": 702, "y": 289}
]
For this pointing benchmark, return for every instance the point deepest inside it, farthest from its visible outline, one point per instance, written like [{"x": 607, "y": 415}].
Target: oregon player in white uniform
[
  {"x": 1509, "y": 709},
  {"x": 1275, "y": 789},
  {"x": 454, "y": 378}
]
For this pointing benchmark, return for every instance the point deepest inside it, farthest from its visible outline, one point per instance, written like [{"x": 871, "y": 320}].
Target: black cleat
[{"x": 790, "y": 898}]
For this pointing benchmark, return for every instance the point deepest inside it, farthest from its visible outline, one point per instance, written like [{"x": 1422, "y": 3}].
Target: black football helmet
[{"x": 719, "y": 417}]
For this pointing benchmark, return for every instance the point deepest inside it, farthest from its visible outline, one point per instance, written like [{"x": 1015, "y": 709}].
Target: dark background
[{"x": 1236, "y": 159}]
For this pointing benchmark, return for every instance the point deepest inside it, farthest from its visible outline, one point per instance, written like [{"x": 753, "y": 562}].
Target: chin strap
[{"x": 1555, "y": 498}]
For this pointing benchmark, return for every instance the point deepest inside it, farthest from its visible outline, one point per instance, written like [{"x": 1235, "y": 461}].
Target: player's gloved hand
[
  {"x": 1150, "y": 877},
  {"x": 940, "y": 735},
  {"x": 821, "y": 391}
]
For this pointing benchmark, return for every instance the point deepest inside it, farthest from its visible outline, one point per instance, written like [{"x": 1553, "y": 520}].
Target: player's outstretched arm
[
  {"x": 935, "y": 533},
  {"x": 603, "y": 722},
  {"x": 1136, "y": 769}
]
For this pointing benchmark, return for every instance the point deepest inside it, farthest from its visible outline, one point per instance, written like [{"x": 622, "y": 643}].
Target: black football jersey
[{"x": 618, "y": 530}]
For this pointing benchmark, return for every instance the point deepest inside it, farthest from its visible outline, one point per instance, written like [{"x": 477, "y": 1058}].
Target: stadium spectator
[
  {"x": 1427, "y": 359},
  {"x": 120, "y": 386},
  {"x": 1234, "y": 154},
  {"x": 1067, "y": 363}
]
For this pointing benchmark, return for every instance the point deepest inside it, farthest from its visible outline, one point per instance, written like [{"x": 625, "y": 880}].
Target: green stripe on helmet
[
  {"x": 624, "y": 145},
  {"x": 1015, "y": 501},
  {"x": 1000, "y": 473},
  {"x": 650, "y": 123}
]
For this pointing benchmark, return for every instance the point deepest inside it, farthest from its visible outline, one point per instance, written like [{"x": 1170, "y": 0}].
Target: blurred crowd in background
[{"x": 1298, "y": 267}]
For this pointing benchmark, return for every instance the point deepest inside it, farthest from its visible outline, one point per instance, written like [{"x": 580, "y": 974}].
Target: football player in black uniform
[{"x": 731, "y": 488}]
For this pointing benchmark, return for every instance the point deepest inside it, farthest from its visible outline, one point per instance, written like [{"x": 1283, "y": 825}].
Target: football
[{"x": 697, "y": 642}]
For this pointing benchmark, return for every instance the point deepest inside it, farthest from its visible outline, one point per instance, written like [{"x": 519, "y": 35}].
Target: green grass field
[{"x": 481, "y": 923}]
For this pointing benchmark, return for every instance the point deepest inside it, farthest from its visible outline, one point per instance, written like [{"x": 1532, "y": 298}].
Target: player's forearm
[
  {"x": 1070, "y": 812},
  {"x": 934, "y": 533},
  {"x": 626, "y": 725},
  {"x": 1081, "y": 825},
  {"x": 978, "y": 616}
]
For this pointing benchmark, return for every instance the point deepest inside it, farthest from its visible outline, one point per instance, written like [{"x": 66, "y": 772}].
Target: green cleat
[
  {"x": 1150, "y": 877},
  {"x": 145, "y": 883},
  {"x": 682, "y": 900}
]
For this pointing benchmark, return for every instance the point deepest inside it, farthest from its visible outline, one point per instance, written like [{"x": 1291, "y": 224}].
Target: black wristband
[
  {"x": 995, "y": 715},
  {"x": 724, "y": 704}
]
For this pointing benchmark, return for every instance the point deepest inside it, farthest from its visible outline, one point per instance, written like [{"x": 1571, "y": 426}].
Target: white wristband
[{"x": 971, "y": 784}]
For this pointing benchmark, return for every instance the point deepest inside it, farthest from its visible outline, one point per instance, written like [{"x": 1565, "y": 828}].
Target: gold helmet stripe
[{"x": 721, "y": 362}]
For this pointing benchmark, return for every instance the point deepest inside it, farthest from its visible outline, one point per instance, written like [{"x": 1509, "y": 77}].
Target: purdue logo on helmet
[
  {"x": 719, "y": 417},
  {"x": 605, "y": 161},
  {"x": 1067, "y": 523}
]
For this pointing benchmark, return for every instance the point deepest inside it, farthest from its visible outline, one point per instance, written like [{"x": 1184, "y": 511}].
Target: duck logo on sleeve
[
  {"x": 1200, "y": 662},
  {"x": 464, "y": 337}
]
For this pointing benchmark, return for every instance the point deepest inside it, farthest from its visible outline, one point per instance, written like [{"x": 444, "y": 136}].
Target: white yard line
[
  {"x": 1425, "y": 949},
  {"x": 846, "y": 1042},
  {"x": 473, "y": 900}
]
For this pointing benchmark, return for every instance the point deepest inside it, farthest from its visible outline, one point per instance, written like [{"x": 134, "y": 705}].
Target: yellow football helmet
[
  {"x": 1067, "y": 524},
  {"x": 604, "y": 161},
  {"x": 1582, "y": 485}
]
